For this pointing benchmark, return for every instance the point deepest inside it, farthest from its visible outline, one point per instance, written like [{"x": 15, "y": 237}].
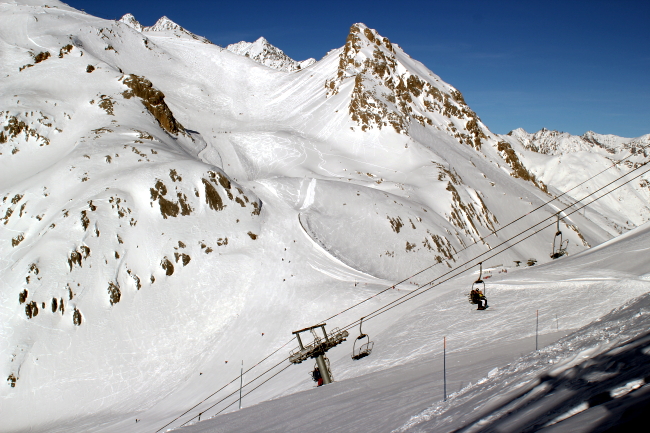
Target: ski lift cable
[
  {"x": 524, "y": 231},
  {"x": 408, "y": 296},
  {"x": 236, "y": 391},
  {"x": 388, "y": 306},
  {"x": 229, "y": 395},
  {"x": 520, "y": 233},
  {"x": 254, "y": 389},
  {"x": 378, "y": 311},
  {"x": 412, "y": 295},
  {"x": 231, "y": 382},
  {"x": 494, "y": 232}
]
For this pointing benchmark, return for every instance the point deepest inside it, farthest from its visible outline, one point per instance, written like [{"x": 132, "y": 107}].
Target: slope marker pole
[
  {"x": 444, "y": 368},
  {"x": 536, "y": 326},
  {"x": 241, "y": 381}
]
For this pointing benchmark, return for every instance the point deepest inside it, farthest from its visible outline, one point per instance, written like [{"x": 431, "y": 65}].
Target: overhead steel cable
[
  {"x": 233, "y": 393},
  {"x": 491, "y": 233},
  {"x": 412, "y": 294},
  {"x": 230, "y": 383}
]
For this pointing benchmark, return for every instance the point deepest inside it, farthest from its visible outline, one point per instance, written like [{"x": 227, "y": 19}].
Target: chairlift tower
[{"x": 318, "y": 348}]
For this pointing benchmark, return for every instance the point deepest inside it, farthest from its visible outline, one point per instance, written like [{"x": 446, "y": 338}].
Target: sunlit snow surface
[
  {"x": 592, "y": 379},
  {"x": 99, "y": 199}
]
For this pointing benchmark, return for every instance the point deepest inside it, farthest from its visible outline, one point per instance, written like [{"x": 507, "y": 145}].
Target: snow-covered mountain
[
  {"x": 130, "y": 20},
  {"x": 170, "y": 208},
  {"x": 556, "y": 143},
  {"x": 266, "y": 54},
  {"x": 163, "y": 26},
  {"x": 566, "y": 162}
]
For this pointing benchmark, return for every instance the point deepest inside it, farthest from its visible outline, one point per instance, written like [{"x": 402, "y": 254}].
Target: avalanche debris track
[{"x": 169, "y": 207}]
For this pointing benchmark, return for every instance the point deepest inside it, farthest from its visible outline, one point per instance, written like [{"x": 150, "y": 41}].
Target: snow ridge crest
[
  {"x": 261, "y": 51},
  {"x": 130, "y": 20},
  {"x": 163, "y": 26},
  {"x": 551, "y": 142}
]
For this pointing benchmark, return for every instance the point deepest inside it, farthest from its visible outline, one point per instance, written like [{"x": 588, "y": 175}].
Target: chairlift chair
[
  {"x": 477, "y": 294},
  {"x": 364, "y": 349},
  {"x": 563, "y": 245}
]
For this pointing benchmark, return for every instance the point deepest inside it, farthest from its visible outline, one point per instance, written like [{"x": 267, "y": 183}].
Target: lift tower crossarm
[
  {"x": 318, "y": 346},
  {"x": 322, "y": 325}
]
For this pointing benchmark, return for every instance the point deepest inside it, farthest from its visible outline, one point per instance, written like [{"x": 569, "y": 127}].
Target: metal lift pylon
[{"x": 318, "y": 348}]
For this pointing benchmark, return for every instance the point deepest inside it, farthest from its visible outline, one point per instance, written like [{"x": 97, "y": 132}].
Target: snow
[
  {"x": 277, "y": 210},
  {"x": 130, "y": 20},
  {"x": 163, "y": 27},
  {"x": 488, "y": 383},
  {"x": 547, "y": 153},
  {"x": 261, "y": 51}
]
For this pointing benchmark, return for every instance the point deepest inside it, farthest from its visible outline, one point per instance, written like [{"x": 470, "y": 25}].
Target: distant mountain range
[
  {"x": 556, "y": 143},
  {"x": 163, "y": 26}
]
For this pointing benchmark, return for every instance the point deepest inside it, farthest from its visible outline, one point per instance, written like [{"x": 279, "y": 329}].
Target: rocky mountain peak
[
  {"x": 164, "y": 26},
  {"x": 261, "y": 51},
  {"x": 391, "y": 89},
  {"x": 130, "y": 20}
]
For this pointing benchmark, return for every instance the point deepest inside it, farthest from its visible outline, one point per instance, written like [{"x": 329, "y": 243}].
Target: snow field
[
  {"x": 97, "y": 218},
  {"x": 485, "y": 376}
]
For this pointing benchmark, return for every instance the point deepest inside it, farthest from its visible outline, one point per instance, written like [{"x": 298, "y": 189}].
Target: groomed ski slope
[{"x": 594, "y": 316}]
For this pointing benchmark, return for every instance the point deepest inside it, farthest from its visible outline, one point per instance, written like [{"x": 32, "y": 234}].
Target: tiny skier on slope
[{"x": 316, "y": 376}]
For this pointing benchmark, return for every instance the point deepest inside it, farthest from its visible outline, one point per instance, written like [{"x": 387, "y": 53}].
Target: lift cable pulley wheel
[{"x": 365, "y": 348}]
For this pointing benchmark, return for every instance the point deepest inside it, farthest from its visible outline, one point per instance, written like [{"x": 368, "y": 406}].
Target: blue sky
[{"x": 568, "y": 65}]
